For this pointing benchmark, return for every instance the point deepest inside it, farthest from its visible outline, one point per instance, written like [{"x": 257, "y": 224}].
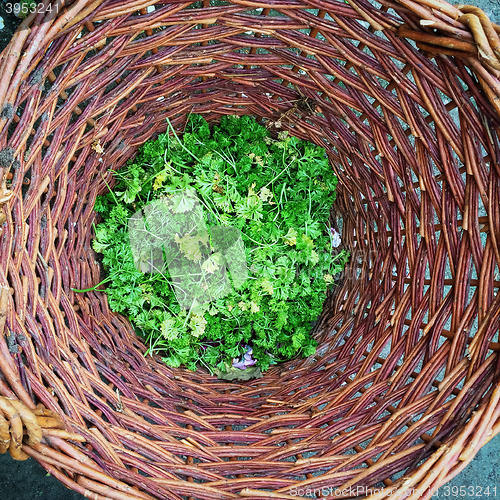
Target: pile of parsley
[{"x": 276, "y": 192}]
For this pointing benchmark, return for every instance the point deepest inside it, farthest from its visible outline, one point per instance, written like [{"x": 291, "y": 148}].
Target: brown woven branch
[
  {"x": 472, "y": 34},
  {"x": 14, "y": 416},
  {"x": 406, "y": 376}
]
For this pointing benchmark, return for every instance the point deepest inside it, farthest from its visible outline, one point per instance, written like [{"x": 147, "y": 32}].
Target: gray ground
[
  {"x": 28, "y": 481},
  {"x": 491, "y": 7}
]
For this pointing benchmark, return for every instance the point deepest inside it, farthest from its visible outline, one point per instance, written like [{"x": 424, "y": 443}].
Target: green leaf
[
  {"x": 197, "y": 325},
  {"x": 183, "y": 202},
  {"x": 169, "y": 329}
]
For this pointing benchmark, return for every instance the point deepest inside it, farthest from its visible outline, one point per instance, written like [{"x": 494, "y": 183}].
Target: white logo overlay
[{"x": 171, "y": 233}]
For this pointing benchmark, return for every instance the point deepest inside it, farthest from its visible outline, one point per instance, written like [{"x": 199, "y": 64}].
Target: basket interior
[{"x": 414, "y": 143}]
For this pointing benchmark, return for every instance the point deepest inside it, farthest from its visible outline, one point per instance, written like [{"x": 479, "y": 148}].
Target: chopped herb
[{"x": 206, "y": 196}]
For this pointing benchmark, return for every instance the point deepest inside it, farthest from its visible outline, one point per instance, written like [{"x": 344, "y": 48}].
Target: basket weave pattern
[{"x": 404, "y": 388}]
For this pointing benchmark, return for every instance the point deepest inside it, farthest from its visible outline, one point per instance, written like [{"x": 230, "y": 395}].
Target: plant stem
[{"x": 180, "y": 143}]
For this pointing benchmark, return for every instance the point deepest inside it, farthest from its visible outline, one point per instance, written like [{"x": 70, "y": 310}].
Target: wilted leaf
[
  {"x": 212, "y": 263},
  {"x": 189, "y": 246},
  {"x": 267, "y": 286},
  {"x": 290, "y": 238},
  {"x": 237, "y": 374},
  {"x": 265, "y": 194},
  {"x": 254, "y": 307}
]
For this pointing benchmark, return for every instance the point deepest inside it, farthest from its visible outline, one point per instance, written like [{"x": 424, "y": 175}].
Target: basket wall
[{"x": 403, "y": 390}]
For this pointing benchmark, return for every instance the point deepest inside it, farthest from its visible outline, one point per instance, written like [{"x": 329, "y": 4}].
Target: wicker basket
[{"x": 404, "y": 388}]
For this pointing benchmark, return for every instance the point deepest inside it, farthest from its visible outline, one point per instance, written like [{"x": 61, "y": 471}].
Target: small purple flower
[
  {"x": 239, "y": 364},
  {"x": 335, "y": 238},
  {"x": 246, "y": 360}
]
